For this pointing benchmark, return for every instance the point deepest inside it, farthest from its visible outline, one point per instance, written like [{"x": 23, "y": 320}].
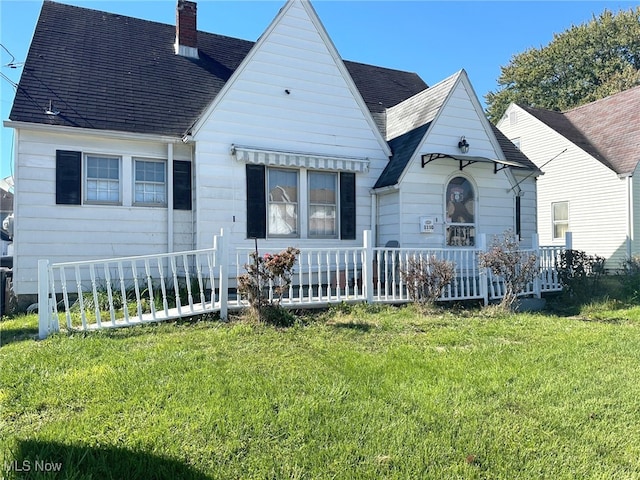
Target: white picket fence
[{"x": 117, "y": 292}]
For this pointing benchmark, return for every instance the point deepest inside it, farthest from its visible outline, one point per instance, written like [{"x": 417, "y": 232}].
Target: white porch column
[
  {"x": 568, "y": 241},
  {"x": 220, "y": 244},
  {"x": 483, "y": 278},
  {"x": 535, "y": 245},
  {"x": 367, "y": 267}
]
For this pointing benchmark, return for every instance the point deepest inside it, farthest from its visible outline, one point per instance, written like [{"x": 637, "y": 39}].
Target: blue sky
[{"x": 431, "y": 38}]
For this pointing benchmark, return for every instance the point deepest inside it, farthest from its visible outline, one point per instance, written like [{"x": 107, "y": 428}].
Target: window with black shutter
[
  {"x": 182, "y": 197},
  {"x": 320, "y": 207},
  {"x": 256, "y": 202},
  {"x": 68, "y": 177}
]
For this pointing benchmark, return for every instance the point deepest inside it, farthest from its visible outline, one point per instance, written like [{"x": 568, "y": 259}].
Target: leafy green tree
[{"x": 585, "y": 63}]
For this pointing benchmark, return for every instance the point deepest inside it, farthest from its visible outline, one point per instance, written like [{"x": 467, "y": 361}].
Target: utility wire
[
  {"x": 539, "y": 168},
  {"x": 12, "y": 63}
]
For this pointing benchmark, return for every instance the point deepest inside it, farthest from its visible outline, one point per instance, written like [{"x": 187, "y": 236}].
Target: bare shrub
[
  {"x": 506, "y": 260},
  {"x": 274, "y": 270},
  {"x": 427, "y": 277}
]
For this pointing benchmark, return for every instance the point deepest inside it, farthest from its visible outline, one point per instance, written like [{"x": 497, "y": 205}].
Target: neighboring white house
[
  {"x": 590, "y": 159},
  {"x": 6, "y": 216},
  {"x": 134, "y": 137}
]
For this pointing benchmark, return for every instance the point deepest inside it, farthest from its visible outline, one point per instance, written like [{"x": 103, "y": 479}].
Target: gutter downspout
[
  {"x": 374, "y": 218},
  {"x": 170, "y": 198}
]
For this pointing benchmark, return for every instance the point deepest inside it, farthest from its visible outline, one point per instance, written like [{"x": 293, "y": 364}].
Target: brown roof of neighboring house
[{"x": 607, "y": 129}]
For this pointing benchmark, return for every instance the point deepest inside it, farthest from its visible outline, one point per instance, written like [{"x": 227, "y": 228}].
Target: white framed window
[
  {"x": 102, "y": 179},
  {"x": 323, "y": 204},
  {"x": 300, "y": 203},
  {"x": 149, "y": 182},
  {"x": 560, "y": 219},
  {"x": 282, "y": 202},
  {"x": 460, "y": 213}
]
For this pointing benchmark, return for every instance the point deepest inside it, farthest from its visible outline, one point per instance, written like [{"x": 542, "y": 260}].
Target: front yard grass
[{"x": 355, "y": 392}]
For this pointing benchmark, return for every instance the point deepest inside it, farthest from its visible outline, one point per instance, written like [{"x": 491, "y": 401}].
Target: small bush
[
  {"x": 580, "y": 274},
  {"x": 426, "y": 278},
  {"x": 516, "y": 268},
  {"x": 630, "y": 278}
]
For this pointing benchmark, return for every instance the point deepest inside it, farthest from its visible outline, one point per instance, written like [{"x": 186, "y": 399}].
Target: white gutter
[
  {"x": 38, "y": 127},
  {"x": 384, "y": 190}
]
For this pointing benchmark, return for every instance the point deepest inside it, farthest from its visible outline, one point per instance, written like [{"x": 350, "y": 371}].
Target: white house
[
  {"x": 134, "y": 137},
  {"x": 590, "y": 157}
]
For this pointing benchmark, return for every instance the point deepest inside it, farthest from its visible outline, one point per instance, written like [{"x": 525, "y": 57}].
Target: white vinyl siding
[
  {"x": 423, "y": 190},
  {"x": 88, "y": 231},
  {"x": 320, "y": 116},
  {"x": 597, "y": 196}
]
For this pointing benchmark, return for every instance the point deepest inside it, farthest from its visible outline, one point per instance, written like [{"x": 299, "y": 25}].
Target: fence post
[
  {"x": 44, "y": 305},
  {"x": 483, "y": 278},
  {"x": 535, "y": 245},
  {"x": 223, "y": 258},
  {"x": 367, "y": 265}
]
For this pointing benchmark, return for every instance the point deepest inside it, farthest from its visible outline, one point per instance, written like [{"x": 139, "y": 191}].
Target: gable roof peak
[
  {"x": 419, "y": 109},
  {"x": 136, "y": 83}
]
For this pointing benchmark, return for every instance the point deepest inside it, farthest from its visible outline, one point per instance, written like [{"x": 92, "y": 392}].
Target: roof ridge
[{"x": 600, "y": 100}]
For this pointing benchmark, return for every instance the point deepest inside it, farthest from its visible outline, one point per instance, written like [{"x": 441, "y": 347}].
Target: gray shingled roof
[
  {"x": 511, "y": 152},
  {"x": 607, "y": 129},
  {"x": 419, "y": 109},
  {"x": 108, "y": 71},
  {"x": 403, "y": 148},
  {"x": 407, "y": 124}
]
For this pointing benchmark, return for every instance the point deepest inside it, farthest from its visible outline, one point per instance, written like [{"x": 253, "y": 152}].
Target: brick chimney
[{"x": 186, "y": 29}]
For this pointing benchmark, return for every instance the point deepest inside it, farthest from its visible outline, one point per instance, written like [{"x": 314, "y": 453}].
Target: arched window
[{"x": 460, "y": 213}]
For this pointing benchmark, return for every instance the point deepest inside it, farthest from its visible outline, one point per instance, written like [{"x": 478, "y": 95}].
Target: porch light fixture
[{"x": 463, "y": 145}]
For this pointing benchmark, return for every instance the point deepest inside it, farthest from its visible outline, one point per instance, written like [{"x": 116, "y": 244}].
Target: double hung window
[
  {"x": 560, "y": 219},
  {"x": 323, "y": 204},
  {"x": 102, "y": 179},
  {"x": 283, "y": 202},
  {"x": 326, "y": 208},
  {"x": 150, "y": 184},
  {"x": 88, "y": 178}
]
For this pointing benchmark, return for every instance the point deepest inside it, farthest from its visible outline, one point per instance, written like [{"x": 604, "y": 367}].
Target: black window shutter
[
  {"x": 256, "y": 202},
  {"x": 68, "y": 177},
  {"x": 347, "y": 206},
  {"x": 181, "y": 185}
]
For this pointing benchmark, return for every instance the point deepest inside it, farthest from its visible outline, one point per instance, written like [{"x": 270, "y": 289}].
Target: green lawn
[{"x": 350, "y": 393}]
